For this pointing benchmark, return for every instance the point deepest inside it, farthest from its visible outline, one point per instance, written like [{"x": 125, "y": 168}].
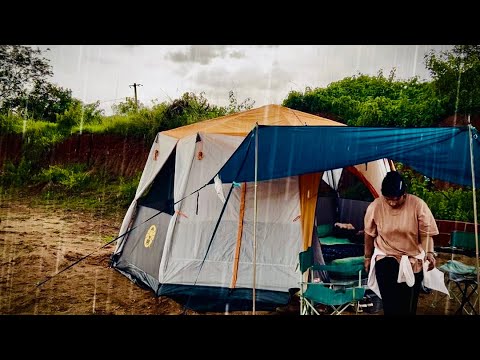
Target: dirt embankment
[{"x": 113, "y": 154}]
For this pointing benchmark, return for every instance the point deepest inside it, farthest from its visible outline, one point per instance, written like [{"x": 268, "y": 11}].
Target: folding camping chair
[
  {"x": 463, "y": 276},
  {"x": 335, "y": 294}
]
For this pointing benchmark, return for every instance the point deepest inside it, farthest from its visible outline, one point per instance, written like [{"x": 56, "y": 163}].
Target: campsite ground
[{"x": 37, "y": 240}]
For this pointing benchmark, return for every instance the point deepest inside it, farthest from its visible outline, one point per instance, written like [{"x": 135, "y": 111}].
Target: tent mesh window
[
  {"x": 160, "y": 194},
  {"x": 351, "y": 187}
]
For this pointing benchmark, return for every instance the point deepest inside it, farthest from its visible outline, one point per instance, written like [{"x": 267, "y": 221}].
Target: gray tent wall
[
  {"x": 160, "y": 151},
  {"x": 196, "y": 216},
  {"x": 139, "y": 262},
  {"x": 175, "y": 256}
]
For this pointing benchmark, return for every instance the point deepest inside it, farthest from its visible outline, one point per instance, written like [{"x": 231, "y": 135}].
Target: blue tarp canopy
[{"x": 440, "y": 153}]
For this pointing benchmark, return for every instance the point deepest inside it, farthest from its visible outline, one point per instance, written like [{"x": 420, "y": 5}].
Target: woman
[{"x": 398, "y": 239}]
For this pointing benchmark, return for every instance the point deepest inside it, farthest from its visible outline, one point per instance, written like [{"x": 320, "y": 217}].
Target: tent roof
[
  {"x": 242, "y": 123},
  {"x": 439, "y": 153}
]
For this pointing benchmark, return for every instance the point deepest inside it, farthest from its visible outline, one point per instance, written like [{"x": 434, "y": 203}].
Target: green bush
[
  {"x": 10, "y": 123},
  {"x": 373, "y": 101},
  {"x": 16, "y": 176},
  {"x": 452, "y": 204},
  {"x": 127, "y": 188},
  {"x": 73, "y": 177}
]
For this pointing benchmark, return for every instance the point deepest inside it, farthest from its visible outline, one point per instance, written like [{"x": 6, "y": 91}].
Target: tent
[{"x": 208, "y": 240}]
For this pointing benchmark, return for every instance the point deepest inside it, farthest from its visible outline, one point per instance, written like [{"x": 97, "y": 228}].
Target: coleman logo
[{"x": 149, "y": 236}]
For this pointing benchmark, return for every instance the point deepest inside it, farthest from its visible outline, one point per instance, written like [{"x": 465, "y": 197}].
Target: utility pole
[{"x": 135, "y": 91}]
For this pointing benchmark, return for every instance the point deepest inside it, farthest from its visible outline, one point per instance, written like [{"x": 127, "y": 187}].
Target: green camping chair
[
  {"x": 463, "y": 276},
  {"x": 343, "y": 289}
]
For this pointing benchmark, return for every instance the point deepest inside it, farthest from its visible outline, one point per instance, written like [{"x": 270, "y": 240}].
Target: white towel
[
  {"x": 219, "y": 188},
  {"x": 433, "y": 279},
  {"x": 372, "y": 278},
  {"x": 405, "y": 272}
]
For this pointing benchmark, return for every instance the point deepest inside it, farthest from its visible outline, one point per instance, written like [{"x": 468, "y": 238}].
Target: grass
[{"x": 104, "y": 203}]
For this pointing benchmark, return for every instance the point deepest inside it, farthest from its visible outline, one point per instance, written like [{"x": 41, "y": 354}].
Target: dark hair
[{"x": 393, "y": 185}]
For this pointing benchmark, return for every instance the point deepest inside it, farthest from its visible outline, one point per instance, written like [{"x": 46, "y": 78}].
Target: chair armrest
[{"x": 455, "y": 250}]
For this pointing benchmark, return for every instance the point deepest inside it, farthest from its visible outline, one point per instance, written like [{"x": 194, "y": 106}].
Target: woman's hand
[
  {"x": 366, "y": 263},
  {"x": 431, "y": 261}
]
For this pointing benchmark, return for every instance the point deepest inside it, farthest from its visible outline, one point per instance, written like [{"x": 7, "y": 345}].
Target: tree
[
  {"x": 79, "y": 114},
  {"x": 234, "y": 106},
  {"x": 22, "y": 69},
  {"x": 45, "y": 101},
  {"x": 127, "y": 107},
  {"x": 365, "y": 100},
  {"x": 456, "y": 75},
  {"x": 188, "y": 109}
]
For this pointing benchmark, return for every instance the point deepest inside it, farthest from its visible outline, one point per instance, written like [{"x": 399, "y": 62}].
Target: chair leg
[
  {"x": 311, "y": 309},
  {"x": 465, "y": 291},
  {"x": 306, "y": 309},
  {"x": 340, "y": 309},
  {"x": 358, "y": 308},
  {"x": 452, "y": 295},
  {"x": 466, "y": 298}
]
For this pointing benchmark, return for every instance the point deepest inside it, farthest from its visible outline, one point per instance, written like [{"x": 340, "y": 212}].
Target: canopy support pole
[
  {"x": 474, "y": 194},
  {"x": 255, "y": 220}
]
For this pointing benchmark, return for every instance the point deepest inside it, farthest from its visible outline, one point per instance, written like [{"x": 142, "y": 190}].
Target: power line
[{"x": 104, "y": 101}]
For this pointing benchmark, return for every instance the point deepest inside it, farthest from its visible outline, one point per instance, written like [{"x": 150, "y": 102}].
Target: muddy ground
[{"x": 39, "y": 240}]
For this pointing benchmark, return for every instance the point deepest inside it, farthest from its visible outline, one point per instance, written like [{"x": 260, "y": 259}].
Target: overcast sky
[{"x": 264, "y": 73}]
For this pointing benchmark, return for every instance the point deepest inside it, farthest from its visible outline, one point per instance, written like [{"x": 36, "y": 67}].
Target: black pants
[{"x": 397, "y": 298}]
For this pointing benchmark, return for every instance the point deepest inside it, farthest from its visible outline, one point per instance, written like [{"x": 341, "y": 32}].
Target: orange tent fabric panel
[
  {"x": 240, "y": 124},
  {"x": 309, "y": 184}
]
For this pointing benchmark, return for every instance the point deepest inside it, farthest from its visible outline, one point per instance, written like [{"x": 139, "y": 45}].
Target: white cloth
[
  {"x": 372, "y": 278},
  {"x": 432, "y": 279},
  {"x": 405, "y": 271},
  {"x": 219, "y": 188}
]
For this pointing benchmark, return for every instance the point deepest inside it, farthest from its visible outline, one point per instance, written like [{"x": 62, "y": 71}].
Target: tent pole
[
  {"x": 474, "y": 202},
  {"x": 255, "y": 219}
]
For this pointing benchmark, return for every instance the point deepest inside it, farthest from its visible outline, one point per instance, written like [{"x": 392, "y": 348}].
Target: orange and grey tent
[{"x": 181, "y": 237}]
